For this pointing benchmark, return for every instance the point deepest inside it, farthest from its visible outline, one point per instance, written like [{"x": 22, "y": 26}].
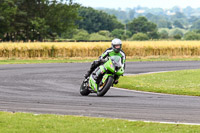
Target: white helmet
[{"x": 115, "y": 42}]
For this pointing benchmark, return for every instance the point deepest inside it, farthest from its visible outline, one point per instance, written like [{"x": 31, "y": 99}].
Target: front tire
[
  {"x": 106, "y": 87},
  {"x": 84, "y": 90}
]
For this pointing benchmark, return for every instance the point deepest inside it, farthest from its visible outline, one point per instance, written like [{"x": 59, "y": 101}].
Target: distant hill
[{"x": 175, "y": 17}]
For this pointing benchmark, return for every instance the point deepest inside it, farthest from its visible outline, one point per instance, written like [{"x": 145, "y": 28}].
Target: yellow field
[{"x": 94, "y": 49}]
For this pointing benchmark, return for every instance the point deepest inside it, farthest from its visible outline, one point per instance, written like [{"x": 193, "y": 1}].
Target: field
[{"x": 136, "y": 49}]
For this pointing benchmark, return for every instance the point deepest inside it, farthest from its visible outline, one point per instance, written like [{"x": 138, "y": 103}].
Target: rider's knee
[{"x": 95, "y": 63}]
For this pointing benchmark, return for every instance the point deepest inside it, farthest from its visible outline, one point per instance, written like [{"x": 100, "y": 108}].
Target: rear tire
[
  {"x": 106, "y": 87},
  {"x": 84, "y": 90}
]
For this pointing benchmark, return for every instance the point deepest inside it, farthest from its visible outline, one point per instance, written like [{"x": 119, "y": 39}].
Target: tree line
[
  {"x": 98, "y": 25},
  {"x": 139, "y": 28},
  {"x": 36, "y": 19},
  {"x": 63, "y": 19}
]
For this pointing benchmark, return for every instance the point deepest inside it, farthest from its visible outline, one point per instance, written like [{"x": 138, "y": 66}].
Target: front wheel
[
  {"x": 106, "y": 87},
  {"x": 84, "y": 90}
]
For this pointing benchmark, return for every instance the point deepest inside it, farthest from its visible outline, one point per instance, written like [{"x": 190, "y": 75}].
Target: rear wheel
[
  {"x": 84, "y": 90},
  {"x": 105, "y": 87}
]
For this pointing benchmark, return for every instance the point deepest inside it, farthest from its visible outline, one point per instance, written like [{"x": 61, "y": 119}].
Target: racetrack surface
[{"x": 54, "y": 88}]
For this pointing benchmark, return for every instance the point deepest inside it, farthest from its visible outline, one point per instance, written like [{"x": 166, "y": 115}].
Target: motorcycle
[{"x": 112, "y": 66}]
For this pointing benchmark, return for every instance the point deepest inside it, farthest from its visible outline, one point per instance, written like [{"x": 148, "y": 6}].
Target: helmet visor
[{"x": 118, "y": 46}]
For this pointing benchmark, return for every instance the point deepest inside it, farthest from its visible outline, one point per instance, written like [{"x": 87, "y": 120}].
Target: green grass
[
  {"x": 30, "y": 123},
  {"x": 34, "y": 61},
  {"x": 79, "y": 60},
  {"x": 184, "y": 82}
]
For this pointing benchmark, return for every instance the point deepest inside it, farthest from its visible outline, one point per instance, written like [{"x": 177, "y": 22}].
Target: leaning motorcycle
[{"x": 112, "y": 66}]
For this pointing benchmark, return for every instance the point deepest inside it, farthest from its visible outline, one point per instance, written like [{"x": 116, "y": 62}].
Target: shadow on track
[{"x": 110, "y": 96}]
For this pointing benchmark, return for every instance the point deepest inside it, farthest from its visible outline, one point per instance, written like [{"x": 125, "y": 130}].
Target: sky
[{"x": 144, "y": 3}]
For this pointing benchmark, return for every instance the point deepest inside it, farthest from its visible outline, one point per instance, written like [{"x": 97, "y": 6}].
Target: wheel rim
[{"x": 102, "y": 86}]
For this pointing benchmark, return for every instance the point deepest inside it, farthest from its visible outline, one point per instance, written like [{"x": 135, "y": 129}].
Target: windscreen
[{"x": 117, "y": 61}]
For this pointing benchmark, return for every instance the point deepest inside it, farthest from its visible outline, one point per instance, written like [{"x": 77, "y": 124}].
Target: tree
[
  {"x": 94, "y": 20},
  {"x": 97, "y": 36},
  {"x": 197, "y": 31},
  {"x": 120, "y": 33},
  {"x": 81, "y": 35},
  {"x": 176, "y": 32},
  {"x": 140, "y": 37},
  {"x": 36, "y": 19},
  {"x": 192, "y": 36},
  {"x": 27, "y": 15},
  {"x": 164, "y": 34},
  {"x": 7, "y": 12},
  {"x": 105, "y": 33},
  {"x": 141, "y": 24},
  {"x": 61, "y": 17},
  {"x": 164, "y": 24},
  {"x": 196, "y": 25},
  {"x": 40, "y": 28},
  {"x": 177, "y": 36},
  {"x": 161, "y": 20},
  {"x": 154, "y": 35},
  {"x": 178, "y": 24}
]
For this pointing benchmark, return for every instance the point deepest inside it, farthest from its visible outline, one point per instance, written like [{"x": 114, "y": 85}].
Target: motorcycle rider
[{"x": 115, "y": 50}]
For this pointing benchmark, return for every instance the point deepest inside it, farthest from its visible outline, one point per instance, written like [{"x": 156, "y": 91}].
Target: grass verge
[
  {"x": 26, "y": 122},
  {"x": 80, "y": 60},
  {"x": 38, "y": 61},
  {"x": 184, "y": 82}
]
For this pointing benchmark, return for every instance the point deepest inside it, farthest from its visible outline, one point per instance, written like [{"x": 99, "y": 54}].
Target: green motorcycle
[{"x": 112, "y": 66}]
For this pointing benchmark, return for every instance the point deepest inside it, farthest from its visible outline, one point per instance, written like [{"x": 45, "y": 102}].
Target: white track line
[
  {"x": 147, "y": 121},
  {"x": 162, "y": 122},
  {"x": 148, "y": 73},
  {"x": 144, "y": 92},
  {"x": 152, "y": 93}
]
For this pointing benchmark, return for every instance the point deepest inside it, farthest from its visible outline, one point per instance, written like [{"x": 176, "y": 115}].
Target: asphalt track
[{"x": 54, "y": 88}]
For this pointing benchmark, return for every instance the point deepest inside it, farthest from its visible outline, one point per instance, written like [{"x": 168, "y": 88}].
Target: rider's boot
[{"x": 116, "y": 82}]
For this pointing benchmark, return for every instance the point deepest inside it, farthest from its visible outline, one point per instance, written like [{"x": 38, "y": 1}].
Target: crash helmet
[{"x": 116, "y": 45}]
